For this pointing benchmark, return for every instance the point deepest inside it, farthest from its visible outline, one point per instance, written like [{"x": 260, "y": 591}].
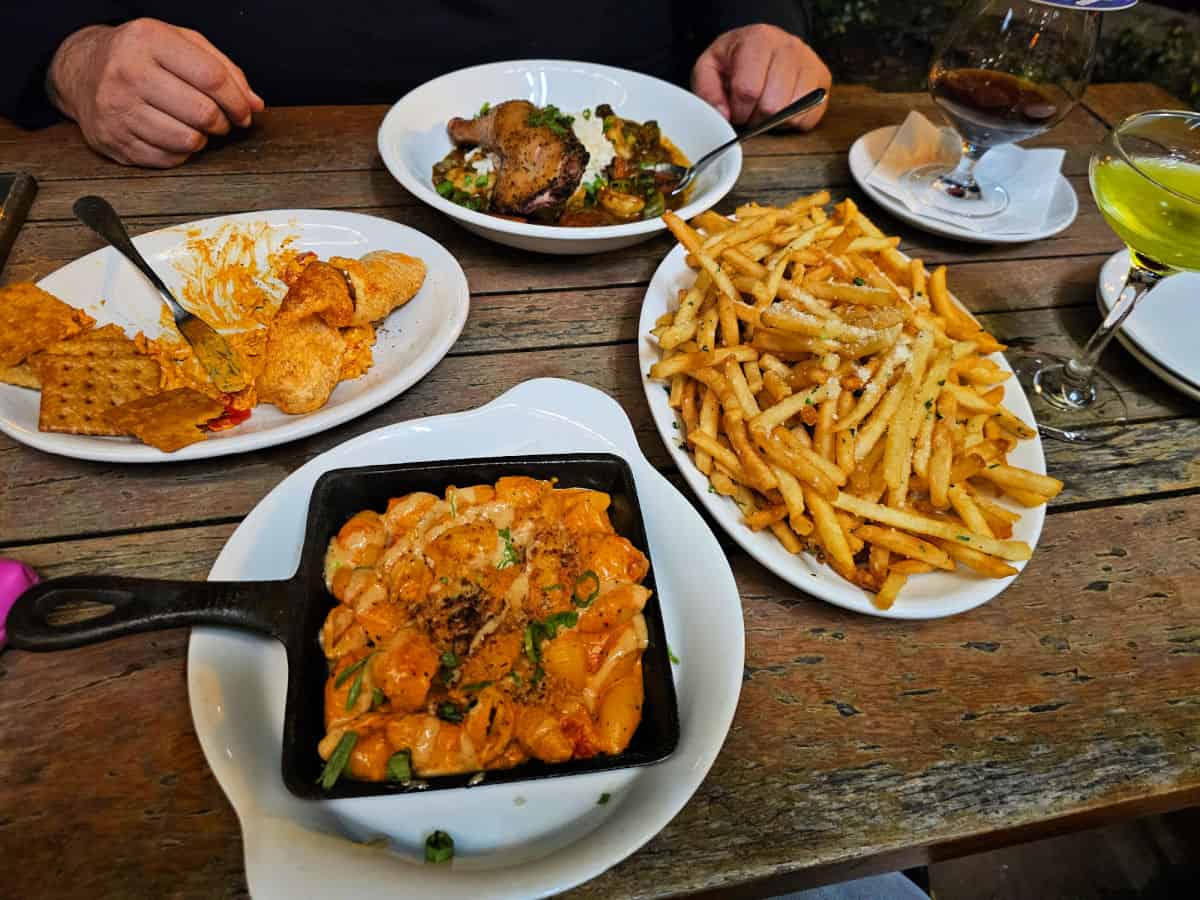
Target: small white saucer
[
  {"x": 870, "y": 147},
  {"x": 1162, "y": 333}
]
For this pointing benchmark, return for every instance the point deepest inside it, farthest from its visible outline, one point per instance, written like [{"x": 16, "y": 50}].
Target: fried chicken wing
[
  {"x": 380, "y": 282},
  {"x": 304, "y": 363}
]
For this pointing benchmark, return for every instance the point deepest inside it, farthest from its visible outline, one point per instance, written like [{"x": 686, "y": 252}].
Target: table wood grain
[{"x": 859, "y": 744}]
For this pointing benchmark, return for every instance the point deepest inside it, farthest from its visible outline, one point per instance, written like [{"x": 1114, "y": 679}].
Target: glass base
[
  {"x": 1066, "y": 409},
  {"x": 932, "y": 186}
]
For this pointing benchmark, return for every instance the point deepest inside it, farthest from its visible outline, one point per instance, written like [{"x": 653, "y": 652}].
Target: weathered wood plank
[
  {"x": 1113, "y": 102},
  {"x": 314, "y": 138},
  {"x": 43, "y": 247},
  {"x": 1028, "y": 708},
  {"x": 212, "y": 194},
  {"x": 1154, "y": 457}
]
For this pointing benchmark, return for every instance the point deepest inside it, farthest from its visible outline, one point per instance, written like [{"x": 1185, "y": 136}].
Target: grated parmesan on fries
[{"x": 842, "y": 397}]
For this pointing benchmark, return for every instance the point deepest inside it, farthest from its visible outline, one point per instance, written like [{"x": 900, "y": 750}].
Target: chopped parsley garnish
[
  {"x": 449, "y": 712},
  {"x": 963, "y": 537},
  {"x": 551, "y": 117},
  {"x": 587, "y": 114},
  {"x": 509, "y": 557},
  {"x": 604, "y": 798},
  {"x": 671, "y": 655},
  {"x": 337, "y": 760},
  {"x": 589, "y": 581},
  {"x": 399, "y": 767},
  {"x": 449, "y": 660},
  {"x": 516, "y": 677},
  {"x": 476, "y": 686},
  {"x": 439, "y": 848},
  {"x": 483, "y": 110},
  {"x": 858, "y": 282},
  {"x": 928, "y": 404},
  {"x": 378, "y": 698}
]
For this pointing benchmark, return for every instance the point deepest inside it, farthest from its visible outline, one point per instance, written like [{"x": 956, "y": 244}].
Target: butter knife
[{"x": 212, "y": 350}]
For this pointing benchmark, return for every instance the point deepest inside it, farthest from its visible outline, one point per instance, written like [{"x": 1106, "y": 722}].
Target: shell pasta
[{"x": 480, "y": 629}]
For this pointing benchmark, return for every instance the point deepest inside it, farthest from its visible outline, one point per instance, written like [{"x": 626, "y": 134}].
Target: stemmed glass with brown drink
[{"x": 1006, "y": 71}]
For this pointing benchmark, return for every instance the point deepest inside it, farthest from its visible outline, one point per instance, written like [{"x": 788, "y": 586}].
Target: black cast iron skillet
[{"x": 293, "y": 611}]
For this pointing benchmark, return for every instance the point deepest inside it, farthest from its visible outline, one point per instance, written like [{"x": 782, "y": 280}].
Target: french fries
[{"x": 842, "y": 396}]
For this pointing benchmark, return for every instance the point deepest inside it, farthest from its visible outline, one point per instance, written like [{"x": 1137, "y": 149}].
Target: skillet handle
[{"x": 85, "y": 609}]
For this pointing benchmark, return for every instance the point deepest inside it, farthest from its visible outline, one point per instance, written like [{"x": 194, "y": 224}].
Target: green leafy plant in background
[{"x": 889, "y": 44}]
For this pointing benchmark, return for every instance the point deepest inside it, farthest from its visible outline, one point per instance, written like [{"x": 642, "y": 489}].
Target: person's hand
[
  {"x": 752, "y": 72},
  {"x": 147, "y": 93}
]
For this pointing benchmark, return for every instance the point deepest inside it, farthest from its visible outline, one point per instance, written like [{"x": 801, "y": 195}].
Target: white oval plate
[
  {"x": 512, "y": 840},
  {"x": 410, "y": 342},
  {"x": 1162, "y": 332},
  {"x": 929, "y": 596},
  {"x": 413, "y": 137},
  {"x": 865, "y": 153}
]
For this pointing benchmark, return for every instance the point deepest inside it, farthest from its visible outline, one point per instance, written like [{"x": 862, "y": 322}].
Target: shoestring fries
[{"x": 842, "y": 396}]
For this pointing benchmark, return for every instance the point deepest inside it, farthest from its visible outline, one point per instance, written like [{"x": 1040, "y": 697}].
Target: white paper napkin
[{"x": 1029, "y": 177}]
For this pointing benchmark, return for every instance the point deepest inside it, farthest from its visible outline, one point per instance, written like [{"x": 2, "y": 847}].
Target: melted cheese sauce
[{"x": 480, "y": 629}]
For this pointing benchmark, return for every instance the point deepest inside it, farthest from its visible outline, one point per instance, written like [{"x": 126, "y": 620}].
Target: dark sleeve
[
  {"x": 35, "y": 29},
  {"x": 719, "y": 16}
]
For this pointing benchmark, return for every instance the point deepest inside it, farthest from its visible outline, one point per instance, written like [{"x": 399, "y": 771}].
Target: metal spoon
[
  {"x": 686, "y": 176},
  {"x": 212, "y": 350}
]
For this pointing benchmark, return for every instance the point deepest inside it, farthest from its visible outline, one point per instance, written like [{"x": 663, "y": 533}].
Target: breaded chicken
[
  {"x": 380, "y": 282},
  {"x": 321, "y": 290},
  {"x": 304, "y": 364}
]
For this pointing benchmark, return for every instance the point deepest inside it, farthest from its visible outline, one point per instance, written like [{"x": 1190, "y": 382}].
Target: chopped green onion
[
  {"x": 859, "y": 282},
  {"x": 350, "y": 670},
  {"x": 337, "y": 760},
  {"x": 449, "y": 660},
  {"x": 476, "y": 686},
  {"x": 450, "y": 712},
  {"x": 604, "y": 798},
  {"x": 481, "y": 180},
  {"x": 355, "y": 689},
  {"x": 509, "y": 557},
  {"x": 378, "y": 697},
  {"x": 671, "y": 655},
  {"x": 963, "y": 537},
  {"x": 445, "y": 188},
  {"x": 587, "y": 576},
  {"x": 559, "y": 620},
  {"x": 516, "y": 677},
  {"x": 553, "y": 587},
  {"x": 399, "y": 767},
  {"x": 439, "y": 848}
]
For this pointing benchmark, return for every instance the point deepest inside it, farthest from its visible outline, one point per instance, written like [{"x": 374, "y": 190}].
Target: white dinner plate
[
  {"x": 413, "y": 137},
  {"x": 408, "y": 344},
  {"x": 511, "y": 840},
  {"x": 1162, "y": 331},
  {"x": 928, "y": 596},
  {"x": 866, "y": 152}
]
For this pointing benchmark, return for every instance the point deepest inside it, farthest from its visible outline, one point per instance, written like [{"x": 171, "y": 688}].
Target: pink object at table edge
[{"x": 15, "y": 578}]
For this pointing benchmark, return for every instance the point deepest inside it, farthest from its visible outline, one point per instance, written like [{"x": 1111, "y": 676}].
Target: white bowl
[{"x": 413, "y": 137}]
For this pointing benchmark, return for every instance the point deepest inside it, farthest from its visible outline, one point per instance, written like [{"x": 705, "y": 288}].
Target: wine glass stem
[
  {"x": 1139, "y": 280},
  {"x": 963, "y": 174}
]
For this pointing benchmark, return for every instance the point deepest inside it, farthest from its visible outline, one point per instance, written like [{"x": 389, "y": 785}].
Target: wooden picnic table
[{"x": 860, "y": 744}]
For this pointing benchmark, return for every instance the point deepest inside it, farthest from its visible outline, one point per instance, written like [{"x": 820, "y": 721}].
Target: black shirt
[{"x": 358, "y": 51}]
